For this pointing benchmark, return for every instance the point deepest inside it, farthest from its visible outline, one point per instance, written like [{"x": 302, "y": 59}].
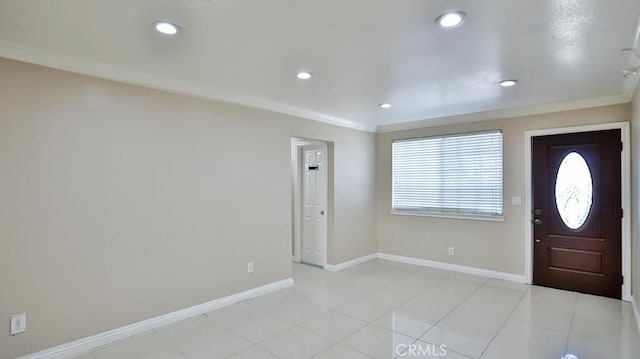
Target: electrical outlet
[
  {"x": 18, "y": 323},
  {"x": 452, "y": 251},
  {"x": 250, "y": 267}
]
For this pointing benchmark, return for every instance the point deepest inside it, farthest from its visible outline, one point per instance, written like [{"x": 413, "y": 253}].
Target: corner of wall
[{"x": 635, "y": 197}]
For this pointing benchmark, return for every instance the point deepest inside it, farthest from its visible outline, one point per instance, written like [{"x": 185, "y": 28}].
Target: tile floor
[{"x": 380, "y": 308}]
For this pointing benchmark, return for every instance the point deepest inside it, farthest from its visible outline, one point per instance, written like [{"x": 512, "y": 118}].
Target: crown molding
[
  {"x": 87, "y": 67},
  {"x": 98, "y": 69},
  {"x": 507, "y": 113}
]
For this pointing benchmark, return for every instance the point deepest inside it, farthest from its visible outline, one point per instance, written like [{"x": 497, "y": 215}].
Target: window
[
  {"x": 456, "y": 175},
  {"x": 574, "y": 190}
]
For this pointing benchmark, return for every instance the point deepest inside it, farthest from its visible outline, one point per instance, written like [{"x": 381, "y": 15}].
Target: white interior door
[{"x": 314, "y": 203}]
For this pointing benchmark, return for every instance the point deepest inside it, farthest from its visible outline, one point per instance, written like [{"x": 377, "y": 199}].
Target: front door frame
[{"x": 626, "y": 195}]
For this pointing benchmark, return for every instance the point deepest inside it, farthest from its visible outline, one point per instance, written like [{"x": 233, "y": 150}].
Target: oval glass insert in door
[{"x": 574, "y": 190}]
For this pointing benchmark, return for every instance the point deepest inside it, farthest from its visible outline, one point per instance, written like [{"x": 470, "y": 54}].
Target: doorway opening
[
  {"x": 311, "y": 185},
  {"x": 577, "y": 221}
]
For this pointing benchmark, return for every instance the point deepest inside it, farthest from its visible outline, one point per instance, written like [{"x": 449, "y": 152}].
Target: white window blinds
[{"x": 455, "y": 174}]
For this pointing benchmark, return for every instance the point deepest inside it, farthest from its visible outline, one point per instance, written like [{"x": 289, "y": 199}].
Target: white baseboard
[
  {"x": 87, "y": 344},
  {"x": 454, "y": 267},
  {"x": 636, "y": 312},
  {"x": 427, "y": 263},
  {"x": 351, "y": 263}
]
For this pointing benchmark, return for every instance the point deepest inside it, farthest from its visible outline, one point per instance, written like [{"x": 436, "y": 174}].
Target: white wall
[
  {"x": 497, "y": 246},
  {"x": 120, "y": 203}
]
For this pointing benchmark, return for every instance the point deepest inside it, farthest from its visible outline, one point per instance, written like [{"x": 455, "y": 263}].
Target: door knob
[
  {"x": 538, "y": 240},
  {"x": 537, "y": 222},
  {"x": 322, "y": 212},
  {"x": 537, "y": 211}
]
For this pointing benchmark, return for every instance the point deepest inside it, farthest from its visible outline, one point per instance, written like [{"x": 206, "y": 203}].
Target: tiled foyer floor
[{"x": 379, "y": 308}]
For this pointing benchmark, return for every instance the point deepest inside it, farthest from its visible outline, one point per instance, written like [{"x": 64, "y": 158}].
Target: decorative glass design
[{"x": 574, "y": 190}]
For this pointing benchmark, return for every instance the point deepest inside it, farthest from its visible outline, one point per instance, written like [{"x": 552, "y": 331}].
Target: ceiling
[{"x": 564, "y": 53}]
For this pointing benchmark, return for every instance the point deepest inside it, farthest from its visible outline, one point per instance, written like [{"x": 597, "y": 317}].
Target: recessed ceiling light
[
  {"x": 385, "y": 105},
  {"x": 303, "y": 75},
  {"x": 508, "y": 83},
  {"x": 451, "y": 19},
  {"x": 167, "y": 28}
]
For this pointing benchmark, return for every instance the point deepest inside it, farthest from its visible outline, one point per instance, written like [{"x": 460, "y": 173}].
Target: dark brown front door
[{"x": 577, "y": 212}]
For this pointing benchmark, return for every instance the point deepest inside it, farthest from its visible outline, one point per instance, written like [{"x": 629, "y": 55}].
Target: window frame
[{"x": 443, "y": 212}]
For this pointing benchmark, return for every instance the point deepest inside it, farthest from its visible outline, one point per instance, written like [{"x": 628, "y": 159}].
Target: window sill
[{"x": 451, "y": 216}]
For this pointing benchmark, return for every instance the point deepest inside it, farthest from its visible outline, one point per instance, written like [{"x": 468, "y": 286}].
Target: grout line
[
  {"x": 535, "y": 325},
  {"x": 267, "y": 350},
  {"x": 372, "y": 322},
  {"x": 573, "y": 316},
  {"x": 345, "y": 345},
  {"x": 386, "y": 312},
  {"x": 506, "y": 320},
  {"x": 249, "y": 347},
  {"x": 452, "y": 309},
  {"x": 447, "y": 314},
  {"x": 181, "y": 353}
]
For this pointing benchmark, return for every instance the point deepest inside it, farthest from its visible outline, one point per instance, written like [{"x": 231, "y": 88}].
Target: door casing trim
[
  {"x": 626, "y": 195},
  {"x": 297, "y": 144}
]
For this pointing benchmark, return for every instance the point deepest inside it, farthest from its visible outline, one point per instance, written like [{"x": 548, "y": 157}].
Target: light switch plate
[
  {"x": 18, "y": 323},
  {"x": 516, "y": 201}
]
